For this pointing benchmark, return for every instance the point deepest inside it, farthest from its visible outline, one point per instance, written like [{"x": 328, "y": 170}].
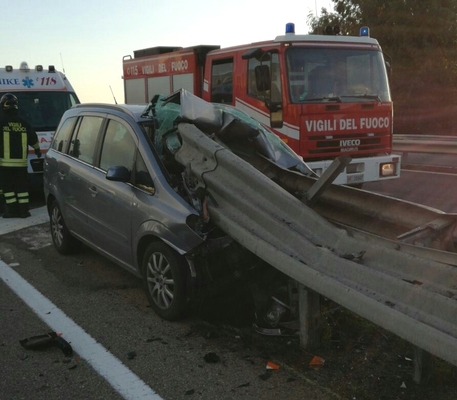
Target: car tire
[
  {"x": 63, "y": 241},
  {"x": 164, "y": 277}
]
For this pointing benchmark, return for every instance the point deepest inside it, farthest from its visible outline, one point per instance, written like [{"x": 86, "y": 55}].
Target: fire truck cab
[
  {"x": 43, "y": 95},
  {"x": 324, "y": 95}
]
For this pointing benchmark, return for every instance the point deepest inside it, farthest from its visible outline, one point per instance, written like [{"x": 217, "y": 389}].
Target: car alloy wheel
[{"x": 164, "y": 272}]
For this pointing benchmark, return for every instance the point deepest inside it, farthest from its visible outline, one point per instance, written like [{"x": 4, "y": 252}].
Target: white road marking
[{"x": 124, "y": 381}]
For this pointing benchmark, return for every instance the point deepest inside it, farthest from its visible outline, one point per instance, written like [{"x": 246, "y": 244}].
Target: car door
[
  {"x": 110, "y": 205},
  {"x": 76, "y": 172}
]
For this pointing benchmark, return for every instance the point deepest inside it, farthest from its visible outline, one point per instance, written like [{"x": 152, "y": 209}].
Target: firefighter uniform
[{"x": 16, "y": 135}]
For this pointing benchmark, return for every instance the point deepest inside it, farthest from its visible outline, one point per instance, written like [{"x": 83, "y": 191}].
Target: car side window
[
  {"x": 118, "y": 147},
  {"x": 62, "y": 137},
  {"x": 143, "y": 179},
  {"x": 83, "y": 144}
]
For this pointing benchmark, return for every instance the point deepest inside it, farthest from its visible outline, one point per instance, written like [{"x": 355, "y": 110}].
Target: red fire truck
[{"x": 324, "y": 95}]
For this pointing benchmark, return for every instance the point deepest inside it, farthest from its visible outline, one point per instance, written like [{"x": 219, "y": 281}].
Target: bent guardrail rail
[{"x": 411, "y": 296}]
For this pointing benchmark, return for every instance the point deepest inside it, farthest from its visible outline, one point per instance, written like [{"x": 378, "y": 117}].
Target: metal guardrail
[
  {"x": 425, "y": 144},
  {"x": 409, "y": 295}
]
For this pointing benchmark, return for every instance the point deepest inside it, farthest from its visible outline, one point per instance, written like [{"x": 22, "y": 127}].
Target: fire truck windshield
[
  {"x": 346, "y": 75},
  {"x": 43, "y": 110}
]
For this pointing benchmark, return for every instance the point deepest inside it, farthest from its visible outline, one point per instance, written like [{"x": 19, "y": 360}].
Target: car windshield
[
  {"x": 43, "y": 110},
  {"x": 343, "y": 75}
]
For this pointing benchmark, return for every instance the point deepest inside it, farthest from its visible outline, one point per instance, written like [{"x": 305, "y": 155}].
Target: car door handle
[{"x": 93, "y": 191}]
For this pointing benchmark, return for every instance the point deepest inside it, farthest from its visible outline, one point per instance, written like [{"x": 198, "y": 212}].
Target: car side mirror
[{"x": 118, "y": 173}]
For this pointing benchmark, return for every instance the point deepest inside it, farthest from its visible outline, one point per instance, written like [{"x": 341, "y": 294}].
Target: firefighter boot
[
  {"x": 11, "y": 211},
  {"x": 23, "y": 210}
]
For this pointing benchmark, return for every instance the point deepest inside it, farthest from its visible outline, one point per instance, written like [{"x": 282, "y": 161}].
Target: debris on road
[
  {"x": 272, "y": 365},
  {"x": 316, "y": 361},
  {"x": 51, "y": 339}
]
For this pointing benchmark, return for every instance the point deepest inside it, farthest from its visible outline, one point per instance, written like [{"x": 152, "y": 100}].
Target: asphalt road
[
  {"x": 121, "y": 348},
  {"x": 437, "y": 190},
  {"x": 102, "y": 311}
]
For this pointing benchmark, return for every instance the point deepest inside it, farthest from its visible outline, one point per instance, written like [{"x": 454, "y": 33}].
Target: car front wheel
[{"x": 164, "y": 276}]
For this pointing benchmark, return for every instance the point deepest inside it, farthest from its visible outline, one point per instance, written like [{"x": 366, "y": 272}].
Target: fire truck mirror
[
  {"x": 262, "y": 77},
  {"x": 276, "y": 120}
]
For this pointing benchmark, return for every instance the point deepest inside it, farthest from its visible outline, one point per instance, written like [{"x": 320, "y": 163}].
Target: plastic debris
[
  {"x": 51, "y": 339},
  {"x": 316, "y": 361},
  {"x": 272, "y": 365},
  {"x": 403, "y": 385}
]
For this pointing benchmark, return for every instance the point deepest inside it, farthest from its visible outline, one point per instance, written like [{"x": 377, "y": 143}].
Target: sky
[{"x": 87, "y": 39}]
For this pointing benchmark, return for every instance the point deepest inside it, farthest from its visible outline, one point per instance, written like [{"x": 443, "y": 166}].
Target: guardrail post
[
  {"x": 423, "y": 365},
  {"x": 309, "y": 313},
  {"x": 327, "y": 178}
]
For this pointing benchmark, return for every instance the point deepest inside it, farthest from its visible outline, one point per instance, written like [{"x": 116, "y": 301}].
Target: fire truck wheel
[
  {"x": 164, "y": 277},
  {"x": 63, "y": 241}
]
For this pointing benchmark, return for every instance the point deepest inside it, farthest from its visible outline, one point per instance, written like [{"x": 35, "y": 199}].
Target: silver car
[{"x": 112, "y": 183}]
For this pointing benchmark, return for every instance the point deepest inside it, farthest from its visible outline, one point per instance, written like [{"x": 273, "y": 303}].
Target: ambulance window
[
  {"x": 222, "y": 78},
  {"x": 83, "y": 145},
  {"x": 62, "y": 137}
]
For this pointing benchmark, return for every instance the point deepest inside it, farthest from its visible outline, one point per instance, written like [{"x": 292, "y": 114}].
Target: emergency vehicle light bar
[
  {"x": 24, "y": 66},
  {"x": 39, "y": 68},
  {"x": 365, "y": 31},
  {"x": 290, "y": 28},
  {"x": 329, "y": 30},
  {"x": 8, "y": 68}
]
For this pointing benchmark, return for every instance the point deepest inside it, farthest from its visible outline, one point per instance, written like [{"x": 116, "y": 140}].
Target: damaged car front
[{"x": 219, "y": 262}]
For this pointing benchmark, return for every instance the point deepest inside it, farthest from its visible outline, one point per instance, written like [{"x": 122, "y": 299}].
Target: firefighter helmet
[{"x": 9, "y": 101}]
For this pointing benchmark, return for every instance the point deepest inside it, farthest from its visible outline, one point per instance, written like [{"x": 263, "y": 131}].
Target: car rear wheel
[
  {"x": 63, "y": 241},
  {"x": 164, "y": 275}
]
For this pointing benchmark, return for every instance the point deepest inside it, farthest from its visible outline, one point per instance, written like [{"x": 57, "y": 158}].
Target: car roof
[{"x": 136, "y": 111}]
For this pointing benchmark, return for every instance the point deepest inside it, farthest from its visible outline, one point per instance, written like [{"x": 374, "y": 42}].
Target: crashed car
[{"x": 113, "y": 183}]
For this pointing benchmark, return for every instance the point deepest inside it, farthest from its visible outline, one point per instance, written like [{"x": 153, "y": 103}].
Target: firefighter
[{"x": 16, "y": 135}]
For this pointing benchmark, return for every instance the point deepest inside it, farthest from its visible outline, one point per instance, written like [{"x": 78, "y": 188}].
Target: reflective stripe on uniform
[
  {"x": 10, "y": 197},
  {"x": 23, "y": 197},
  {"x": 6, "y": 146}
]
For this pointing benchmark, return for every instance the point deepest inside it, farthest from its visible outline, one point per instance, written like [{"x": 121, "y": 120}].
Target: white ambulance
[{"x": 43, "y": 95}]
